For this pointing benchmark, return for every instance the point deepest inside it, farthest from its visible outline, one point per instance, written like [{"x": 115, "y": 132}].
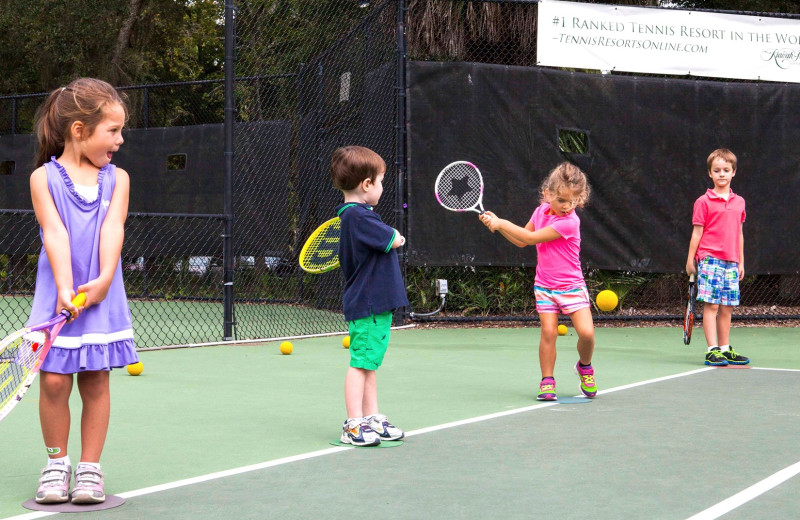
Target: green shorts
[{"x": 369, "y": 338}]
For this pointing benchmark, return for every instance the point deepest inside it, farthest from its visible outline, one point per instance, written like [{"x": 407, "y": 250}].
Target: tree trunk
[{"x": 124, "y": 37}]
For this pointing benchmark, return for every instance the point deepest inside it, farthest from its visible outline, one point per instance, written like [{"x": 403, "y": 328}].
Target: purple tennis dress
[{"x": 102, "y": 337}]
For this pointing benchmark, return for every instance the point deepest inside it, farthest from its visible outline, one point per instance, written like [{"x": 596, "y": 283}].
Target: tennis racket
[
  {"x": 688, "y": 318},
  {"x": 459, "y": 187},
  {"x": 320, "y": 253},
  {"x": 22, "y": 353}
]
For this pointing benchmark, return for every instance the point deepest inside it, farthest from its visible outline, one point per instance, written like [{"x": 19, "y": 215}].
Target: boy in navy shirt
[{"x": 373, "y": 288}]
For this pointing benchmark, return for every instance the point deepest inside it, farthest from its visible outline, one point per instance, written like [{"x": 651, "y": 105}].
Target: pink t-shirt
[
  {"x": 721, "y": 220},
  {"x": 558, "y": 264}
]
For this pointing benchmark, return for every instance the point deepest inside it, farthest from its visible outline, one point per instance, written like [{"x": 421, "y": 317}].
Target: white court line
[
  {"x": 742, "y": 497},
  {"x": 328, "y": 451}
]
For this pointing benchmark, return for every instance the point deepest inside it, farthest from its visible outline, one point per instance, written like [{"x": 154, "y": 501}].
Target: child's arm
[
  {"x": 518, "y": 236},
  {"x": 741, "y": 251},
  {"x": 399, "y": 240},
  {"x": 55, "y": 239},
  {"x": 694, "y": 243},
  {"x": 112, "y": 234}
]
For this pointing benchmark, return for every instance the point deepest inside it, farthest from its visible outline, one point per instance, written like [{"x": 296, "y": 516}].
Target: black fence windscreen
[
  {"x": 648, "y": 140},
  {"x": 423, "y": 84}
]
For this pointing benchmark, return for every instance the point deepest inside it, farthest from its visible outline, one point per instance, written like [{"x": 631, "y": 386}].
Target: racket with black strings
[{"x": 459, "y": 187}]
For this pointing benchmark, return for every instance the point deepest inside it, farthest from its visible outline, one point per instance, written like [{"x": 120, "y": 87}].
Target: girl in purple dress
[{"x": 81, "y": 202}]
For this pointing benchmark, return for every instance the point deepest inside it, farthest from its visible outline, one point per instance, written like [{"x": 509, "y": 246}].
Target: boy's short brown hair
[
  {"x": 724, "y": 154},
  {"x": 350, "y": 165}
]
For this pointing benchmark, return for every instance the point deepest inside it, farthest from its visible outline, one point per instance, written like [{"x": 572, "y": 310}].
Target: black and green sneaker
[
  {"x": 715, "y": 358},
  {"x": 734, "y": 358}
]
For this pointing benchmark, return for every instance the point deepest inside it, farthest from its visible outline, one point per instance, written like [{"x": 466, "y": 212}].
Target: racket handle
[
  {"x": 78, "y": 301},
  {"x": 691, "y": 277}
]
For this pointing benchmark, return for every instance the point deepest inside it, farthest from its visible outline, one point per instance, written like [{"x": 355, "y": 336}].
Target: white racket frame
[{"x": 478, "y": 203}]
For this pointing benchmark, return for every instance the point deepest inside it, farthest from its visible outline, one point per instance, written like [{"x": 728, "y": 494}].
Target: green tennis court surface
[{"x": 244, "y": 432}]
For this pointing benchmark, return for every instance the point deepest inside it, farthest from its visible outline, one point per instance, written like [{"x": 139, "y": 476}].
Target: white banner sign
[{"x": 667, "y": 41}]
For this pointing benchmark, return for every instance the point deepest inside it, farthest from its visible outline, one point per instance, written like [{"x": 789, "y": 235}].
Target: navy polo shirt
[{"x": 373, "y": 283}]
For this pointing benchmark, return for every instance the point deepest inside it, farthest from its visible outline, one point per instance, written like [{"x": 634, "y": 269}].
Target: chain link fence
[
  {"x": 504, "y": 32},
  {"x": 309, "y": 78}
]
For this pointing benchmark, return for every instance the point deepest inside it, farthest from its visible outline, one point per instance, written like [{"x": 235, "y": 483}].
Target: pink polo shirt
[
  {"x": 558, "y": 264},
  {"x": 721, "y": 220}
]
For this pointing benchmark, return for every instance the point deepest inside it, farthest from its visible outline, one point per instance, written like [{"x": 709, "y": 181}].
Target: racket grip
[{"x": 78, "y": 301}]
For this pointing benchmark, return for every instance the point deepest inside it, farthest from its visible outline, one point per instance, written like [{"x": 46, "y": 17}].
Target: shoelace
[
  {"x": 546, "y": 387},
  {"x": 588, "y": 380}
]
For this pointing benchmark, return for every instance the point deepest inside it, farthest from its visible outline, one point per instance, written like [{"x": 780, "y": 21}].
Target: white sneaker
[
  {"x": 385, "y": 430},
  {"x": 88, "y": 485},
  {"x": 54, "y": 484},
  {"x": 359, "y": 434}
]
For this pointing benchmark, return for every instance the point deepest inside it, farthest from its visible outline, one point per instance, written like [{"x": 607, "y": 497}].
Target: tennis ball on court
[
  {"x": 346, "y": 342},
  {"x": 606, "y": 300},
  {"x": 562, "y": 330},
  {"x": 135, "y": 369},
  {"x": 286, "y": 347}
]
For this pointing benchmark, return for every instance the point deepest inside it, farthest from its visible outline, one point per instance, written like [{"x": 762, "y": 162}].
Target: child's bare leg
[
  {"x": 710, "y": 323},
  {"x": 370, "y": 401},
  {"x": 354, "y": 383},
  {"x": 584, "y": 328},
  {"x": 54, "y": 390},
  {"x": 96, "y": 396},
  {"x": 723, "y": 324},
  {"x": 547, "y": 342}
]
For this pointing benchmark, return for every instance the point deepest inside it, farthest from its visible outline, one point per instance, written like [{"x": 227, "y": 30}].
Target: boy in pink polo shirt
[{"x": 716, "y": 255}]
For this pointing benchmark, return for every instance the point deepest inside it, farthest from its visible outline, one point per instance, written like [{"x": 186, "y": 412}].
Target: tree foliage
[{"x": 46, "y": 43}]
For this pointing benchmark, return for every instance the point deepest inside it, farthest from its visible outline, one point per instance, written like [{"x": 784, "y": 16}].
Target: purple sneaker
[
  {"x": 54, "y": 484},
  {"x": 88, "y": 485},
  {"x": 586, "y": 375}
]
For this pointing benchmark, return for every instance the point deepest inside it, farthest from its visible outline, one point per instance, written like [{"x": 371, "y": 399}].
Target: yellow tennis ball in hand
[
  {"x": 606, "y": 300},
  {"x": 346, "y": 342},
  {"x": 286, "y": 347},
  {"x": 136, "y": 368},
  {"x": 562, "y": 330}
]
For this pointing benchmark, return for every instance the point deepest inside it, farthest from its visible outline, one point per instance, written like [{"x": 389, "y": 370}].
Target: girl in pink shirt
[{"x": 554, "y": 228}]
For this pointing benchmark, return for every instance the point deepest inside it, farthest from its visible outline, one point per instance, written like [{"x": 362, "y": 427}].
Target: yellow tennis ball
[
  {"x": 562, "y": 330},
  {"x": 286, "y": 347},
  {"x": 606, "y": 300},
  {"x": 135, "y": 369},
  {"x": 346, "y": 342}
]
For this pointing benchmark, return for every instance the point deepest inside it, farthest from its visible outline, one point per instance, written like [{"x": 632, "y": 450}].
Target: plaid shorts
[
  {"x": 565, "y": 300},
  {"x": 718, "y": 281}
]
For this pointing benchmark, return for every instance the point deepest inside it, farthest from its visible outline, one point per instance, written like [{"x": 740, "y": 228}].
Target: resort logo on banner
[{"x": 667, "y": 41}]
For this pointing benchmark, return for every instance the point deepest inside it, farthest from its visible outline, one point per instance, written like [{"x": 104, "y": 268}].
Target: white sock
[
  {"x": 61, "y": 460},
  {"x": 712, "y": 347},
  {"x": 724, "y": 348}
]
